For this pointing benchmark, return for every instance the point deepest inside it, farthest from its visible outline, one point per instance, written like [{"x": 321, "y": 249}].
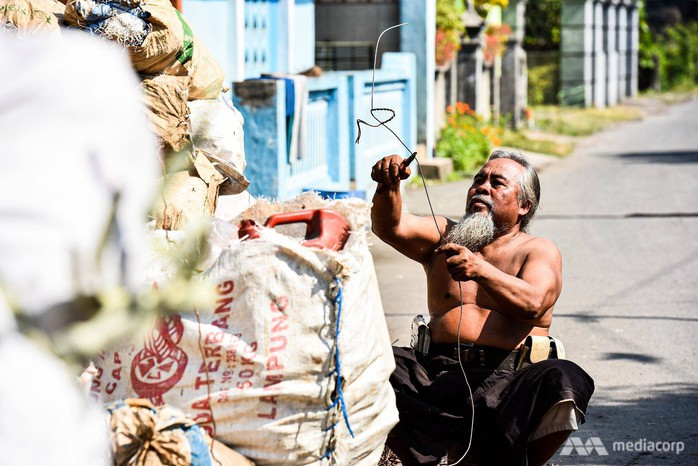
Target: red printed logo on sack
[{"x": 161, "y": 363}]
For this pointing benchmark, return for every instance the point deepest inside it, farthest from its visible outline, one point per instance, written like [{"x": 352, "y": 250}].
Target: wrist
[
  {"x": 479, "y": 270},
  {"x": 382, "y": 187}
]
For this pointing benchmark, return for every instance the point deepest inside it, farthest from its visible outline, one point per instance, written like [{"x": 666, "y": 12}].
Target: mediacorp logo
[
  {"x": 595, "y": 445},
  {"x": 584, "y": 448}
]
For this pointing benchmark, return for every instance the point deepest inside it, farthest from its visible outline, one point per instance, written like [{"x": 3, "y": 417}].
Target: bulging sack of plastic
[
  {"x": 206, "y": 74},
  {"x": 217, "y": 130},
  {"x": 158, "y": 38},
  {"x": 166, "y": 41},
  {"x": 188, "y": 195},
  {"x": 172, "y": 48},
  {"x": 165, "y": 99},
  {"x": 291, "y": 366}
]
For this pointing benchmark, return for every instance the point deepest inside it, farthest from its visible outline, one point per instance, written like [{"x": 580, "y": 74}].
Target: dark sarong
[{"x": 435, "y": 410}]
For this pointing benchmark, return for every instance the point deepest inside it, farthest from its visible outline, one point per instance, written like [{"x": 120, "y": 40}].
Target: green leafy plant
[
  {"x": 679, "y": 60},
  {"x": 543, "y": 25},
  {"x": 449, "y": 28},
  {"x": 466, "y": 138},
  {"x": 648, "y": 47},
  {"x": 543, "y": 83},
  {"x": 672, "y": 54}
]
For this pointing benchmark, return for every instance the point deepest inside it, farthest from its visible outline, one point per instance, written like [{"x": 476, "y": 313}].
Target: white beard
[{"x": 474, "y": 231}]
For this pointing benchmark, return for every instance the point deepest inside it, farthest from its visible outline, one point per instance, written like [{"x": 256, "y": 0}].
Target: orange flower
[
  {"x": 462, "y": 107},
  {"x": 449, "y": 109}
]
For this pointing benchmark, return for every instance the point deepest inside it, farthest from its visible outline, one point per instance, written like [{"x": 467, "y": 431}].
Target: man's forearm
[
  {"x": 513, "y": 296},
  {"x": 386, "y": 211}
]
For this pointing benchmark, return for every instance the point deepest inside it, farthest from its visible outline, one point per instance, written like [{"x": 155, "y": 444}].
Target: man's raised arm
[{"x": 415, "y": 237}]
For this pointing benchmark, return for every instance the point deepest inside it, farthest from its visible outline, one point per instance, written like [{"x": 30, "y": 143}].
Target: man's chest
[{"x": 445, "y": 291}]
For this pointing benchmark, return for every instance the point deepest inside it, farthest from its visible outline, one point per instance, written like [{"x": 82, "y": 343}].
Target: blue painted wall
[
  {"x": 304, "y": 37},
  {"x": 211, "y": 22},
  {"x": 418, "y": 38}
]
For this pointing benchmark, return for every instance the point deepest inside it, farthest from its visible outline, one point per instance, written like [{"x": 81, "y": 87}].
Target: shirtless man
[{"x": 490, "y": 286}]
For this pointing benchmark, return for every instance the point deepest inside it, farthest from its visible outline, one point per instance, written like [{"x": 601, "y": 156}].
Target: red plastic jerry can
[{"x": 325, "y": 229}]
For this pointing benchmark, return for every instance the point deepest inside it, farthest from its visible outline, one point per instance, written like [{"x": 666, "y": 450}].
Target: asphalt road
[{"x": 623, "y": 209}]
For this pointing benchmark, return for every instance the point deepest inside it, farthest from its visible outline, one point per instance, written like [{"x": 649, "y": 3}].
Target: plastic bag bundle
[
  {"x": 159, "y": 40},
  {"x": 143, "y": 435},
  {"x": 291, "y": 366},
  {"x": 120, "y": 21},
  {"x": 188, "y": 195},
  {"x": 217, "y": 130}
]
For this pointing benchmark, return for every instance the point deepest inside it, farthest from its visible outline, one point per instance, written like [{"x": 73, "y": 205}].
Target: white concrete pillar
[
  {"x": 622, "y": 44},
  {"x": 236, "y": 70},
  {"x": 599, "y": 83},
  {"x": 611, "y": 47},
  {"x": 513, "y": 93},
  {"x": 576, "y": 52}
]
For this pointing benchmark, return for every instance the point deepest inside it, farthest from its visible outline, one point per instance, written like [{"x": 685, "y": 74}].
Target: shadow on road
[
  {"x": 594, "y": 318},
  {"x": 680, "y": 157},
  {"x": 659, "y": 415},
  {"x": 637, "y": 357}
]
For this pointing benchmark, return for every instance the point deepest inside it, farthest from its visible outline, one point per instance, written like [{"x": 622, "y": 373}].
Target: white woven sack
[
  {"x": 217, "y": 128},
  {"x": 260, "y": 371}
]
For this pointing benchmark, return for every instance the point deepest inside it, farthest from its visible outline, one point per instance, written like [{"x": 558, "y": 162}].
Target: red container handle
[
  {"x": 248, "y": 228},
  {"x": 325, "y": 228}
]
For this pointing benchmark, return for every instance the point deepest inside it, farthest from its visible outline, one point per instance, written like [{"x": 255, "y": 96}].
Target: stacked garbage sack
[
  {"x": 290, "y": 365},
  {"x": 181, "y": 84}
]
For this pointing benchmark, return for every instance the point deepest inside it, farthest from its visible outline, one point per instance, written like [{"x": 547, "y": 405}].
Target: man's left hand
[{"x": 461, "y": 263}]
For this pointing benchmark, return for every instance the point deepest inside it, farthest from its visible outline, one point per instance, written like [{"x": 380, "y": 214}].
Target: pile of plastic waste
[{"x": 199, "y": 131}]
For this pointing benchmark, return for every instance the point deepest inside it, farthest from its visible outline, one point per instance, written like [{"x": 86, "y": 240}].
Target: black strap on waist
[{"x": 477, "y": 355}]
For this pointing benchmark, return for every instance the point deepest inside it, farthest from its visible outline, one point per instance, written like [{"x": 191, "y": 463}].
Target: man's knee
[{"x": 542, "y": 449}]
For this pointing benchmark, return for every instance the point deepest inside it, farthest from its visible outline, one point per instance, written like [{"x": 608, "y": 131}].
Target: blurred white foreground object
[{"x": 76, "y": 154}]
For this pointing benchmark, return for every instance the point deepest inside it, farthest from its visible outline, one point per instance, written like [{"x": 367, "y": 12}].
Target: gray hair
[{"x": 529, "y": 184}]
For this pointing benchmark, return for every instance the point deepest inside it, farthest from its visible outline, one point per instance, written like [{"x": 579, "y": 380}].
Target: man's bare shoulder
[
  {"x": 539, "y": 247},
  {"x": 538, "y": 242}
]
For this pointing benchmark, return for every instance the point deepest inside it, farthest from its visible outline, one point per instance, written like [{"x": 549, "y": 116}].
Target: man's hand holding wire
[
  {"x": 389, "y": 171},
  {"x": 461, "y": 263}
]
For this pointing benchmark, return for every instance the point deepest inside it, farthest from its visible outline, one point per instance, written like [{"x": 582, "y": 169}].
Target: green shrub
[
  {"x": 466, "y": 138},
  {"x": 672, "y": 53},
  {"x": 678, "y": 62},
  {"x": 543, "y": 84}
]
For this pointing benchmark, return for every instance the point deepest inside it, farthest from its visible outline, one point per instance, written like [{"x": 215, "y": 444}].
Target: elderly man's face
[
  {"x": 492, "y": 206},
  {"x": 495, "y": 192}
]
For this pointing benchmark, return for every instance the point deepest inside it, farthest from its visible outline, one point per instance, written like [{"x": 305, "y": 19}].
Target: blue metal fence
[
  {"x": 329, "y": 160},
  {"x": 394, "y": 89},
  {"x": 261, "y": 26}
]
